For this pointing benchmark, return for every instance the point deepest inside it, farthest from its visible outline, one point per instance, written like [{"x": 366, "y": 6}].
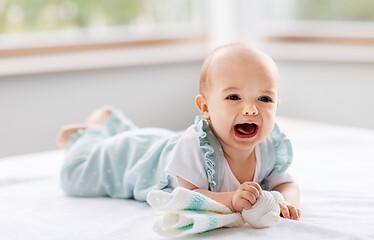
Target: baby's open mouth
[{"x": 246, "y": 130}]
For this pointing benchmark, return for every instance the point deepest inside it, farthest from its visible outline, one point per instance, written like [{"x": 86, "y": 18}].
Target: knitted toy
[
  {"x": 265, "y": 212},
  {"x": 184, "y": 212}
]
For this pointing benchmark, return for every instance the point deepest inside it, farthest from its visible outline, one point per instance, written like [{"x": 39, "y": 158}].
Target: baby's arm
[
  {"x": 290, "y": 192},
  {"x": 243, "y": 198}
]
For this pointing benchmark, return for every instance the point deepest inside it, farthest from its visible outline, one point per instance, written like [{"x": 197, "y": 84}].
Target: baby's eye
[
  {"x": 265, "y": 99},
  {"x": 233, "y": 97}
]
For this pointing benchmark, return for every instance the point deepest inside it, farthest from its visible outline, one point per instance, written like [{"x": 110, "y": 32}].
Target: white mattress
[{"x": 332, "y": 164}]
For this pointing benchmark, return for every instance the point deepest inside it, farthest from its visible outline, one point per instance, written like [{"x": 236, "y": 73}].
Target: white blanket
[{"x": 333, "y": 166}]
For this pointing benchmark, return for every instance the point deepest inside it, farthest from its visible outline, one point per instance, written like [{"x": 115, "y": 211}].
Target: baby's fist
[{"x": 245, "y": 196}]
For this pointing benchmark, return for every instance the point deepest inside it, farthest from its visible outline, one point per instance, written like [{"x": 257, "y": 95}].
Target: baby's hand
[
  {"x": 245, "y": 196},
  {"x": 289, "y": 211}
]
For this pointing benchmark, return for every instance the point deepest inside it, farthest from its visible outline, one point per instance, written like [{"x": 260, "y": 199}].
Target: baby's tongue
[{"x": 245, "y": 129}]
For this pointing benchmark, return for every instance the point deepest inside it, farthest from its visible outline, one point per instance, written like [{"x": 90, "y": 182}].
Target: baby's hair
[{"x": 206, "y": 67}]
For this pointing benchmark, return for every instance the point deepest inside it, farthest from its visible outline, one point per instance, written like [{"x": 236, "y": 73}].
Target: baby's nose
[{"x": 250, "y": 109}]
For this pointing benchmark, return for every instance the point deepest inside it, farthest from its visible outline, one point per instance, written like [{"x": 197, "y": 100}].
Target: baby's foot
[
  {"x": 96, "y": 119},
  {"x": 99, "y": 117},
  {"x": 65, "y": 133}
]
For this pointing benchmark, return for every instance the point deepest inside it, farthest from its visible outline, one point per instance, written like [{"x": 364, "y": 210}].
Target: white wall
[
  {"x": 34, "y": 107},
  {"x": 340, "y": 93}
]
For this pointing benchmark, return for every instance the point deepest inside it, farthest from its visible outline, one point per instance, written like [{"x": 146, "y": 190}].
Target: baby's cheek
[{"x": 267, "y": 127}]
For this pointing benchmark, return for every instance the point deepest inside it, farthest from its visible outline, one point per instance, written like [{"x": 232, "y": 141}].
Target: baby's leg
[
  {"x": 94, "y": 164},
  {"x": 66, "y": 132},
  {"x": 85, "y": 167},
  {"x": 96, "y": 119},
  {"x": 99, "y": 117}
]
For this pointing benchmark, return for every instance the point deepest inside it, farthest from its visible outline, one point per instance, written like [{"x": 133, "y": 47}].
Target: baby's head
[{"x": 239, "y": 95}]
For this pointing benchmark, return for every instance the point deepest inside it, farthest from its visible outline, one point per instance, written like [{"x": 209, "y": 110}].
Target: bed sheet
[{"x": 333, "y": 166}]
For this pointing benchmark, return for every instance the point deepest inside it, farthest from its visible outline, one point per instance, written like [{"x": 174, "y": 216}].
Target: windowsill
[
  {"x": 182, "y": 51},
  {"x": 177, "y": 52},
  {"x": 318, "y": 41},
  {"x": 319, "y": 51}
]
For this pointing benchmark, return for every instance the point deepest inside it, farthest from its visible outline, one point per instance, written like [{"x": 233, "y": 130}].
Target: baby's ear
[
  {"x": 278, "y": 102},
  {"x": 202, "y": 105}
]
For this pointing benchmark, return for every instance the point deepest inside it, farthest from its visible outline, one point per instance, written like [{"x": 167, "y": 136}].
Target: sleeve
[
  {"x": 186, "y": 160},
  {"x": 282, "y": 148},
  {"x": 276, "y": 154},
  {"x": 274, "y": 181}
]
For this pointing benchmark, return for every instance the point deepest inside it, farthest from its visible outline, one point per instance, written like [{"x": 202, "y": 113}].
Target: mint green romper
[{"x": 124, "y": 161}]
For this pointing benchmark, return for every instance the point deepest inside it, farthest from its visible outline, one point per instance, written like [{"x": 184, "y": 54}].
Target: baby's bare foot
[
  {"x": 99, "y": 116},
  {"x": 65, "y": 133},
  {"x": 96, "y": 119}
]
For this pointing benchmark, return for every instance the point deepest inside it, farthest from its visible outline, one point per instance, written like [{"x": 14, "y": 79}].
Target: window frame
[
  {"x": 320, "y": 41},
  {"x": 307, "y": 40},
  {"x": 52, "y": 51}
]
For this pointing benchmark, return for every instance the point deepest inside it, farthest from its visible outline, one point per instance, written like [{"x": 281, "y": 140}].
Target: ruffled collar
[{"x": 213, "y": 154}]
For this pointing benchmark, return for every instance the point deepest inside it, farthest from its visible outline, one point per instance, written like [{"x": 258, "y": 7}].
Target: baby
[{"x": 231, "y": 152}]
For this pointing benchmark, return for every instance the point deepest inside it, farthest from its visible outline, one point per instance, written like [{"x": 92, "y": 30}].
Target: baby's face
[{"x": 242, "y": 98}]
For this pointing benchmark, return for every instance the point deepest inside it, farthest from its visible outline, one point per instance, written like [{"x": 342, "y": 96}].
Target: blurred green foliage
[
  {"x": 44, "y": 15},
  {"x": 335, "y": 10},
  {"x": 41, "y": 15}
]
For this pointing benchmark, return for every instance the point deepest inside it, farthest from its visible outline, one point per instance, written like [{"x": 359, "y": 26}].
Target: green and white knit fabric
[{"x": 184, "y": 212}]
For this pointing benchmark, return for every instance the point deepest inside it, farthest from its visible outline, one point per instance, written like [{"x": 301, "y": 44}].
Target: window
[
  {"x": 334, "y": 10},
  {"x": 339, "y": 21},
  {"x": 42, "y": 26},
  {"x": 328, "y": 30}
]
